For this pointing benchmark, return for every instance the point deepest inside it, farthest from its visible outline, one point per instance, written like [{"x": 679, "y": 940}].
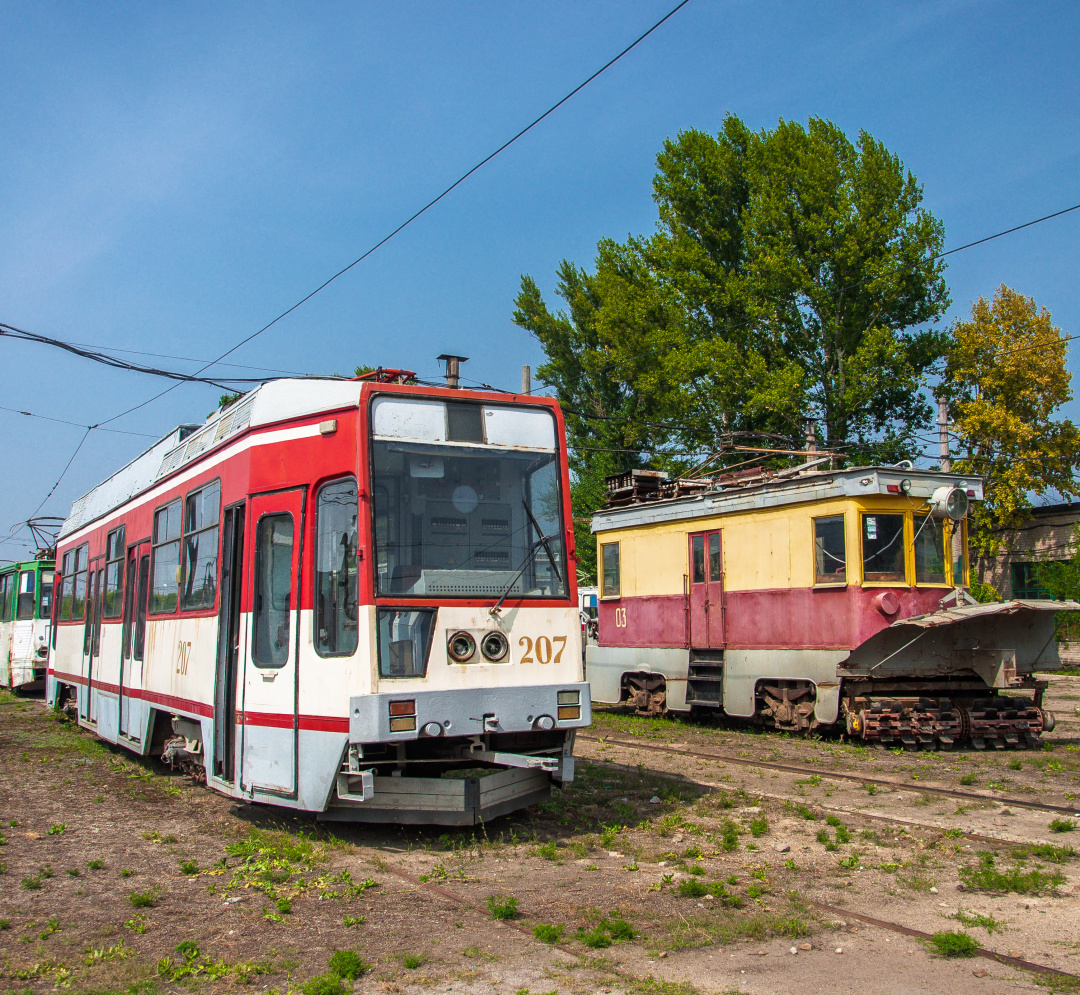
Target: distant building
[{"x": 1049, "y": 536}]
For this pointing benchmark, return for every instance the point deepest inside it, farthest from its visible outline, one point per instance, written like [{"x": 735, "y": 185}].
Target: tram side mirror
[{"x": 949, "y": 502}]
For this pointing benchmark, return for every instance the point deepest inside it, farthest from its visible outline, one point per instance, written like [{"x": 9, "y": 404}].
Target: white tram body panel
[{"x": 330, "y": 596}]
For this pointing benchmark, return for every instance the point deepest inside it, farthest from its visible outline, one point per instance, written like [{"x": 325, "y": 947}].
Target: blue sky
[{"x": 174, "y": 176}]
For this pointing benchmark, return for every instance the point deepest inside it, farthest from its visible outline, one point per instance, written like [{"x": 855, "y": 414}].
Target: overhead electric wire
[
  {"x": 64, "y": 421},
  {"x": 430, "y": 204}
]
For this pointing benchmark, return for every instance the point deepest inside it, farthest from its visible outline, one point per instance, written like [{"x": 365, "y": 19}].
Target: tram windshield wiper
[
  {"x": 543, "y": 538},
  {"x": 542, "y": 542}
]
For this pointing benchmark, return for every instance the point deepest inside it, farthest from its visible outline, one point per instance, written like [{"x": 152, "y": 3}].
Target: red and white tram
[{"x": 354, "y": 597}]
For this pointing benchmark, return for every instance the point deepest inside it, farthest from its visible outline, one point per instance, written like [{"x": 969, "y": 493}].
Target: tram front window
[{"x": 458, "y": 522}]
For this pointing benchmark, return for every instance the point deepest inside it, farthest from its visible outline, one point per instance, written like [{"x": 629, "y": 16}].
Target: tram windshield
[{"x": 467, "y": 522}]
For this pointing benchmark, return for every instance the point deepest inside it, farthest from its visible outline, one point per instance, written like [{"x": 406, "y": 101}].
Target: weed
[
  {"x": 353, "y": 920},
  {"x": 729, "y": 836},
  {"x": 138, "y": 924},
  {"x": 790, "y": 864},
  {"x": 832, "y": 820},
  {"x": 51, "y": 926},
  {"x": 806, "y": 812},
  {"x": 347, "y": 964},
  {"x": 1016, "y": 764},
  {"x": 969, "y": 778},
  {"x": 143, "y": 899},
  {"x": 607, "y": 837},
  {"x": 755, "y": 890},
  {"x": 502, "y": 908},
  {"x": 549, "y": 850},
  {"x": 693, "y": 888},
  {"x": 72, "y": 872},
  {"x": 96, "y": 865},
  {"x": 595, "y": 939},
  {"x": 1062, "y": 825},
  {"x": 412, "y": 961},
  {"x": 548, "y": 932},
  {"x": 5, "y": 924},
  {"x": 479, "y": 953},
  {"x": 851, "y": 861},
  {"x": 189, "y": 867},
  {"x": 989, "y": 923},
  {"x": 954, "y": 943},
  {"x": 697, "y": 870},
  {"x": 870, "y": 788},
  {"x": 759, "y": 825},
  {"x": 693, "y": 852},
  {"x": 126, "y": 872},
  {"x": 102, "y": 955},
  {"x": 56, "y": 829}
]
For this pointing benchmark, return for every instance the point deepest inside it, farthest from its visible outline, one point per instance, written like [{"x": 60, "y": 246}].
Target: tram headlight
[
  {"x": 494, "y": 646},
  {"x": 545, "y": 722},
  {"x": 431, "y": 729},
  {"x": 461, "y": 647},
  {"x": 949, "y": 502}
]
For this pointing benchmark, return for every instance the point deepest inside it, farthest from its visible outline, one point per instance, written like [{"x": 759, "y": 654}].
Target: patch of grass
[
  {"x": 724, "y": 926},
  {"x": 126, "y": 872},
  {"x": 1044, "y": 851},
  {"x": 697, "y": 870},
  {"x": 143, "y": 899},
  {"x": 56, "y": 829},
  {"x": 729, "y": 836},
  {"x": 412, "y": 961},
  {"x": 548, "y": 932},
  {"x": 502, "y": 908},
  {"x": 692, "y": 852},
  {"x": 5, "y": 924},
  {"x": 323, "y": 984},
  {"x": 1062, "y": 825},
  {"x": 72, "y": 872},
  {"x": 759, "y": 825},
  {"x": 969, "y": 779},
  {"x": 353, "y": 920},
  {"x": 549, "y": 850},
  {"x": 989, "y": 923},
  {"x": 138, "y": 924},
  {"x": 870, "y": 788},
  {"x": 1016, "y": 764},
  {"x": 954, "y": 943},
  {"x": 985, "y": 876},
  {"x": 96, "y": 865},
  {"x": 594, "y": 939},
  {"x": 189, "y": 867},
  {"x": 347, "y": 964}
]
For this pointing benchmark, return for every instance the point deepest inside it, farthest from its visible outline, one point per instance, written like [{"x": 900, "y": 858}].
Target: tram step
[{"x": 705, "y": 683}]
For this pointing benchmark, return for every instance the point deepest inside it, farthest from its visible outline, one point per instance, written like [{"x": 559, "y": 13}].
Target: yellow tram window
[
  {"x": 957, "y": 539},
  {"x": 697, "y": 549},
  {"x": 929, "y": 550},
  {"x": 609, "y": 556},
  {"x": 716, "y": 567},
  {"x": 830, "y": 550},
  {"x": 883, "y": 549}
]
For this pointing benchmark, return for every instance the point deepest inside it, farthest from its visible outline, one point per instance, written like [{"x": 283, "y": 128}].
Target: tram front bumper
[{"x": 389, "y": 717}]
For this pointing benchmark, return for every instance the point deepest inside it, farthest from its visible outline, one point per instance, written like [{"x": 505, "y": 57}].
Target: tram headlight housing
[
  {"x": 494, "y": 646},
  {"x": 949, "y": 502},
  {"x": 461, "y": 646},
  {"x": 569, "y": 705}
]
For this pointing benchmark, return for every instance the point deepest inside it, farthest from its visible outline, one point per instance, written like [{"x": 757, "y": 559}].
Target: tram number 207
[{"x": 543, "y": 649}]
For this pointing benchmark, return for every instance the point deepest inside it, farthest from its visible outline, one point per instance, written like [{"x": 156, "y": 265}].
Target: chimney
[
  {"x": 452, "y": 368},
  {"x": 526, "y": 380}
]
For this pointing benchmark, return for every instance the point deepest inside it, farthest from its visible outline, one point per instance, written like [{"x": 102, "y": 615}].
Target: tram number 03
[
  {"x": 183, "y": 657},
  {"x": 543, "y": 648}
]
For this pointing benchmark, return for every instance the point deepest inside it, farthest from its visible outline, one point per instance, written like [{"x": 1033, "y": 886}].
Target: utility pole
[
  {"x": 811, "y": 442},
  {"x": 943, "y": 435},
  {"x": 526, "y": 380}
]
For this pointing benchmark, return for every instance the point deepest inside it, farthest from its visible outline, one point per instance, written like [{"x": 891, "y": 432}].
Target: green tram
[{"x": 26, "y": 604}]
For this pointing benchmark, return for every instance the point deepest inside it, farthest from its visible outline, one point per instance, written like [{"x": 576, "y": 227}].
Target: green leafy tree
[
  {"x": 784, "y": 280},
  {"x": 1005, "y": 378}
]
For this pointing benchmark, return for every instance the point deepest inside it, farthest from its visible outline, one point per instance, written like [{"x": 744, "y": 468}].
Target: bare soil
[{"x": 109, "y": 862}]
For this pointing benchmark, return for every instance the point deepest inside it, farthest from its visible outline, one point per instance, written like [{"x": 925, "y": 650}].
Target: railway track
[
  {"x": 836, "y": 775},
  {"x": 835, "y": 910}
]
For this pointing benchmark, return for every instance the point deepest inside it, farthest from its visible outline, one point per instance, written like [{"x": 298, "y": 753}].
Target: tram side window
[
  {"x": 166, "y": 552},
  {"x": 45, "y": 600},
  {"x": 883, "y": 548},
  {"x": 957, "y": 540},
  {"x": 5, "y": 598},
  {"x": 336, "y": 587},
  {"x": 24, "y": 607},
  {"x": 201, "y": 547},
  {"x": 929, "y": 550},
  {"x": 273, "y": 590},
  {"x": 830, "y": 550},
  {"x": 115, "y": 550},
  {"x": 67, "y": 579},
  {"x": 609, "y": 557}
]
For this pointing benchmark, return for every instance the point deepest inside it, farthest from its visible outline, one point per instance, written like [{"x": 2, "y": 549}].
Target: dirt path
[{"x": 650, "y": 877}]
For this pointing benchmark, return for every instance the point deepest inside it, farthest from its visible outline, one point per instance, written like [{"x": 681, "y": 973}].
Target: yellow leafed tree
[{"x": 1005, "y": 378}]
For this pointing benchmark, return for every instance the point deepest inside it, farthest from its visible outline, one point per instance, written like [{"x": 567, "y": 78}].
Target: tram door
[
  {"x": 92, "y": 640},
  {"x": 136, "y": 590},
  {"x": 706, "y": 591},
  {"x": 228, "y": 648},
  {"x": 272, "y": 561}
]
